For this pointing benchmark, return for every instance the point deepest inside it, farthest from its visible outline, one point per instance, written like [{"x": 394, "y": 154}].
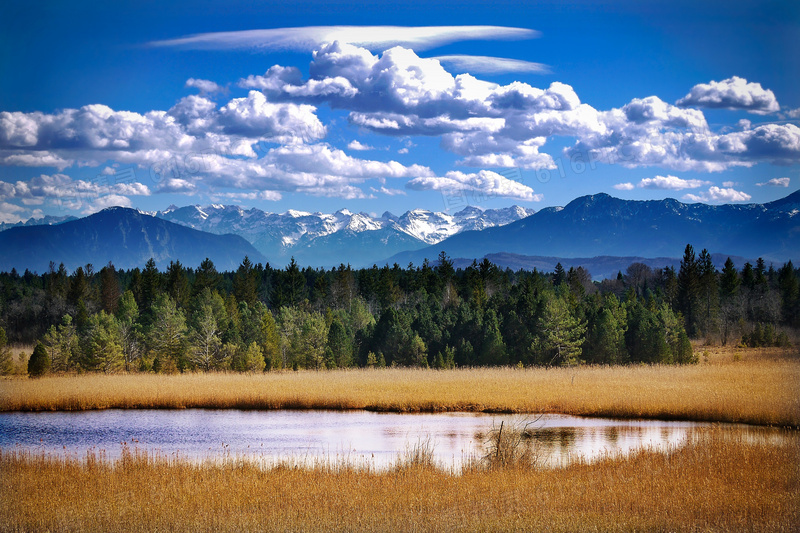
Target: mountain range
[
  {"x": 601, "y": 225},
  {"x": 599, "y": 232},
  {"x": 326, "y": 240},
  {"x": 123, "y": 236}
]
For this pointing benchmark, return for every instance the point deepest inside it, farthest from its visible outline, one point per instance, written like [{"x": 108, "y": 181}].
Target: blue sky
[{"x": 392, "y": 106}]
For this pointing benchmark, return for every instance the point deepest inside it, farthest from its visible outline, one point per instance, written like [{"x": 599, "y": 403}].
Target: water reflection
[{"x": 358, "y": 436}]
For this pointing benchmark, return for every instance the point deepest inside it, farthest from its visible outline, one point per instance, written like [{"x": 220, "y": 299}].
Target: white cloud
[
  {"x": 716, "y": 194},
  {"x": 484, "y": 182},
  {"x": 315, "y": 169},
  {"x": 204, "y": 86},
  {"x": 776, "y": 182},
  {"x": 388, "y": 191},
  {"x": 62, "y": 191},
  {"x": 96, "y": 133},
  {"x": 624, "y": 186},
  {"x": 732, "y": 93},
  {"x": 306, "y": 39},
  {"x": 794, "y": 113},
  {"x": 102, "y": 202},
  {"x": 271, "y": 196},
  {"x": 9, "y": 213},
  {"x": 357, "y": 146},
  {"x": 491, "y": 65},
  {"x": 672, "y": 183},
  {"x": 729, "y": 184}
]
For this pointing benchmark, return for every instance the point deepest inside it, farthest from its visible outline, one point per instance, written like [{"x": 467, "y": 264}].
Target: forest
[{"x": 261, "y": 318}]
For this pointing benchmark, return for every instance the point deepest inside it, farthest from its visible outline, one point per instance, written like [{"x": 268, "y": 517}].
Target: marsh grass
[
  {"x": 710, "y": 484},
  {"x": 512, "y": 444},
  {"x": 762, "y": 387}
]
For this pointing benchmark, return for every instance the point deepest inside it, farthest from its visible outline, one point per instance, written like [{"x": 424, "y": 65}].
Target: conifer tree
[{"x": 39, "y": 363}]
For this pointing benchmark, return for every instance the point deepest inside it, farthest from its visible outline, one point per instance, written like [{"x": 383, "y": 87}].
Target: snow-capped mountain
[
  {"x": 600, "y": 225},
  {"x": 322, "y": 239}
]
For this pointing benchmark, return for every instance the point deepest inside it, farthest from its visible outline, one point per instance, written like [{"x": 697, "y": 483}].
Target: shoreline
[{"x": 760, "y": 388}]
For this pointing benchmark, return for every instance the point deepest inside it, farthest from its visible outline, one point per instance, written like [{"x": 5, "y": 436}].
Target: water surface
[{"x": 359, "y": 436}]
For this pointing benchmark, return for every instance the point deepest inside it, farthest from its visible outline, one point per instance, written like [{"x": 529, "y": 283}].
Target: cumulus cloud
[
  {"x": 650, "y": 132},
  {"x": 717, "y": 194},
  {"x": 732, "y": 93},
  {"x": 96, "y": 133},
  {"x": 357, "y": 146},
  {"x": 491, "y": 65},
  {"x": 624, "y": 186},
  {"x": 315, "y": 169},
  {"x": 484, "y": 182},
  {"x": 62, "y": 191},
  {"x": 775, "y": 182},
  {"x": 309, "y": 38},
  {"x": 672, "y": 183},
  {"x": 794, "y": 113},
  {"x": 204, "y": 86},
  {"x": 11, "y": 213},
  {"x": 398, "y": 93}
]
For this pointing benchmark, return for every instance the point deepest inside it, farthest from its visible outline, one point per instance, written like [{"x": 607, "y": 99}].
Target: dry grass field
[
  {"x": 713, "y": 484},
  {"x": 757, "y": 386}
]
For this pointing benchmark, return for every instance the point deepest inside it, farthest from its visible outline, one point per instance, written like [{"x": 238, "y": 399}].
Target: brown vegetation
[
  {"x": 713, "y": 484},
  {"x": 757, "y": 386}
]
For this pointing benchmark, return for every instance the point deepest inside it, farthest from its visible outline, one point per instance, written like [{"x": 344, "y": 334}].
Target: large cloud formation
[
  {"x": 399, "y": 93},
  {"x": 271, "y": 141},
  {"x": 733, "y": 93}
]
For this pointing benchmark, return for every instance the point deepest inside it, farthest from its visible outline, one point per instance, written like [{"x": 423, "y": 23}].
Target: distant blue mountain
[
  {"x": 600, "y": 225},
  {"x": 123, "y": 236}
]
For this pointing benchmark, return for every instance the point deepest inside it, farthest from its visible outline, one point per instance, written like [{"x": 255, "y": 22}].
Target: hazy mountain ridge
[
  {"x": 601, "y": 225},
  {"x": 47, "y": 220},
  {"x": 320, "y": 239},
  {"x": 123, "y": 236}
]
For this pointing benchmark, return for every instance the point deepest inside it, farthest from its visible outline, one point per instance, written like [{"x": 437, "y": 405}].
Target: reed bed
[
  {"x": 757, "y": 387},
  {"x": 711, "y": 484}
]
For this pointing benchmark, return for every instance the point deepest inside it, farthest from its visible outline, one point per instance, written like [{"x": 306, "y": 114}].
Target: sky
[{"x": 393, "y": 106}]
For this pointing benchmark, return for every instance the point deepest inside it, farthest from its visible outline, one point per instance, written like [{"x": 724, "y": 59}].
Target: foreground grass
[
  {"x": 713, "y": 484},
  {"x": 757, "y": 387}
]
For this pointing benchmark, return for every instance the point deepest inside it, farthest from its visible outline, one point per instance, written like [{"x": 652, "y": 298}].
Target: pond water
[{"x": 361, "y": 437}]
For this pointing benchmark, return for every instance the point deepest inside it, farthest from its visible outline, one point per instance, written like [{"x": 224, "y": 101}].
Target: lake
[{"x": 358, "y": 436}]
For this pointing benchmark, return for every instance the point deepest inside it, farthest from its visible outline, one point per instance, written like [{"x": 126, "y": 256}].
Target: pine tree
[
  {"x": 271, "y": 341},
  {"x": 6, "y": 361},
  {"x": 729, "y": 282},
  {"x": 245, "y": 283},
  {"x": 562, "y": 334},
  {"x": 340, "y": 345},
  {"x": 709, "y": 293},
  {"x": 109, "y": 288},
  {"x": 128, "y": 329},
  {"x": 559, "y": 276},
  {"x": 689, "y": 290},
  {"x": 167, "y": 336},
  {"x": 39, "y": 363},
  {"x": 206, "y": 345},
  {"x": 206, "y": 277},
  {"x": 253, "y": 360},
  {"x": 177, "y": 283},
  {"x": 102, "y": 347}
]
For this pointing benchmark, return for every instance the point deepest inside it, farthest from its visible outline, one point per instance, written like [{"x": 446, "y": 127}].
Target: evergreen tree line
[{"x": 261, "y": 318}]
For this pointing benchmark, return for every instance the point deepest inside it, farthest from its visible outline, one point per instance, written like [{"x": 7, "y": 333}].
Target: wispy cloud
[
  {"x": 491, "y": 65},
  {"x": 775, "y": 182},
  {"x": 306, "y": 39}
]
